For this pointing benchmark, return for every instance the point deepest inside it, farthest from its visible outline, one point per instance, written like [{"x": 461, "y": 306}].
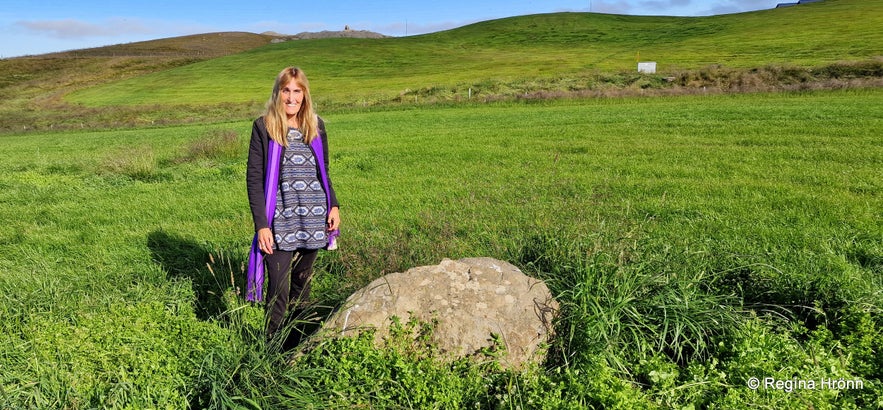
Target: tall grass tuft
[
  {"x": 247, "y": 370},
  {"x": 221, "y": 145},
  {"x": 627, "y": 311},
  {"x": 138, "y": 163}
]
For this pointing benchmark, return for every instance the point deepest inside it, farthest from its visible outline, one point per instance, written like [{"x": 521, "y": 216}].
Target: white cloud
[
  {"x": 661, "y": 5},
  {"x": 739, "y": 6},
  {"x": 408, "y": 28},
  {"x": 120, "y": 27},
  {"x": 78, "y": 29},
  {"x": 680, "y": 7},
  {"x": 611, "y": 7}
]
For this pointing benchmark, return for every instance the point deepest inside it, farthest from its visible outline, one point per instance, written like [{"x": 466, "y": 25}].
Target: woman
[{"x": 292, "y": 202}]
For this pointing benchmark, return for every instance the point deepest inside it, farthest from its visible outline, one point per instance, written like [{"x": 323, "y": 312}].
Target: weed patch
[
  {"x": 218, "y": 145},
  {"x": 139, "y": 163}
]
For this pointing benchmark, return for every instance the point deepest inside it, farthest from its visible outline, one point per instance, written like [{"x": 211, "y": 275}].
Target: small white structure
[{"x": 648, "y": 67}]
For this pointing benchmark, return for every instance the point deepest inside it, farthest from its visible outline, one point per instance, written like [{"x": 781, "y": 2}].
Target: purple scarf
[{"x": 255, "y": 275}]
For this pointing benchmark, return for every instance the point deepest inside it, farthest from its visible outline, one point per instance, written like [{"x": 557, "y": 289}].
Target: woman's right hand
[{"x": 265, "y": 240}]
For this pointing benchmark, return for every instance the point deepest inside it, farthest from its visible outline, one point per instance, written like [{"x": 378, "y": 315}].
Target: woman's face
[{"x": 292, "y": 97}]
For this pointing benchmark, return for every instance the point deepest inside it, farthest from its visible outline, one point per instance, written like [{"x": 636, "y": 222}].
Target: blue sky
[{"x": 36, "y": 27}]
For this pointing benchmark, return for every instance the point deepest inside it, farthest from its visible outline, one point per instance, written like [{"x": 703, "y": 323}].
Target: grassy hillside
[
  {"x": 537, "y": 48},
  {"x": 224, "y": 76},
  {"x": 32, "y": 88}
]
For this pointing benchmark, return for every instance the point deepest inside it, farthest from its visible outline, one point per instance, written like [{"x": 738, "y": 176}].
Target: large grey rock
[{"x": 472, "y": 299}]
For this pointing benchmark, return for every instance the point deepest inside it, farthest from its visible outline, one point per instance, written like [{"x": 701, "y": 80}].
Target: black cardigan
[{"x": 255, "y": 172}]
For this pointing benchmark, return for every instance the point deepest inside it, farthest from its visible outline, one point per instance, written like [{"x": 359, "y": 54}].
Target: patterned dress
[{"x": 300, "y": 217}]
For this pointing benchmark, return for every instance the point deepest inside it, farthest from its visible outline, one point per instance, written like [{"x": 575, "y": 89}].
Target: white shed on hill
[{"x": 647, "y": 67}]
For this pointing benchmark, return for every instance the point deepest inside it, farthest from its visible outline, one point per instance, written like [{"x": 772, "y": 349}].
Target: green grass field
[{"x": 694, "y": 242}]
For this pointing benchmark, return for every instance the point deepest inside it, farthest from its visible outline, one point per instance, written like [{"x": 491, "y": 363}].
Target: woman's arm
[{"x": 254, "y": 174}]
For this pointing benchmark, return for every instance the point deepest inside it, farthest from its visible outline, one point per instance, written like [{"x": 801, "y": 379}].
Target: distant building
[{"x": 648, "y": 67}]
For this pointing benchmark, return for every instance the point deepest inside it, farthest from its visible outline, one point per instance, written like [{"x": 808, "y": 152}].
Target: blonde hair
[{"x": 274, "y": 116}]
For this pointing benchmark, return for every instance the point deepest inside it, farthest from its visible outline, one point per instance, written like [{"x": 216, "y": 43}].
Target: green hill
[
  {"x": 545, "y": 47},
  {"x": 32, "y": 87},
  {"x": 225, "y": 76}
]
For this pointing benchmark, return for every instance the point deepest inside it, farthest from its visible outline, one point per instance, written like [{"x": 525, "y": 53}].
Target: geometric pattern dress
[{"x": 300, "y": 218}]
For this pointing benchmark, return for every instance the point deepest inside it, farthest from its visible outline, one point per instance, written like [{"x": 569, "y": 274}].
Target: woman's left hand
[{"x": 333, "y": 219}]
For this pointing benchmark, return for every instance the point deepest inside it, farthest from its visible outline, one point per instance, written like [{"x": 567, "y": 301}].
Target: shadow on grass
[{"x": 184, "y": 258}]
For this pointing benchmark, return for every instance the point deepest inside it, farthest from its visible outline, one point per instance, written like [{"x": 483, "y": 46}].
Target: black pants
[{"x": 289, "y": 274}]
